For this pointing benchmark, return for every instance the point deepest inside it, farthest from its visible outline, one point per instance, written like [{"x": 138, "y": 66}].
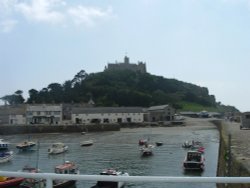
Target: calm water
[{"x": 120, "y": 150}]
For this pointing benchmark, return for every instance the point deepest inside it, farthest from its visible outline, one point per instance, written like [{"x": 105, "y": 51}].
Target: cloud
[
  {"x": 7, "y": 26},
  {"x": 55, "y": 12},
  {"x": 42, "y": 10},
  {"x": 88, "y": 16}
]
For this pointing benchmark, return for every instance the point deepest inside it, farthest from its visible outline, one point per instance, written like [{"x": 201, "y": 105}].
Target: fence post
[{"x": 49, "y": 183}]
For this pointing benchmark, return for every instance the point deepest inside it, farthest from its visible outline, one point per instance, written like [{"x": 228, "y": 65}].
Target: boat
[
  {"x": 87, "y": 143},
  {"x": 147, "y": 150},
  {"x": 158, "y": 143},
  {"x": 187, "y": 144},
  {"x": 65, "y": 168},
  {"x": 30, "y": 182},
  {"x": 201, "y": 149},
  {"x": 57, "y": 148},
  {"x": 110, "y": 184},
  {"x": 6, "y": 156},
  {"x": 6, "y": 182},
  {"x": 194, "y": 160},
  {"x": 4, "y": 145},
  {"x": 142, "y": 142},
  {"x": 25, "y": 145}
]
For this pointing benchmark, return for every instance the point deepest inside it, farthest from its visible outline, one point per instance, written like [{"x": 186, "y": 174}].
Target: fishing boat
[
  {"x": 57, "y": 148},
  {"x": 194, "y": 160},
  {"x": 6, "y": 156},
  {"x": 110, "y": 184},
  {"x": 25, "y": 145},
  {"x": 65, "y": 168},
  {"x": 87, "y": 143},
  {"x": 7, "y": 182},
  {"x": 3, "y": 145}
]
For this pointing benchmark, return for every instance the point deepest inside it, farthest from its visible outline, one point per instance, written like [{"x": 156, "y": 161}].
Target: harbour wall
[
  {"x": 229, "y": 164},
  {"x": 24, "y": 129}
]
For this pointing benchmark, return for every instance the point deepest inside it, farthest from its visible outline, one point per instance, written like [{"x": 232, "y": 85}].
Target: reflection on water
[{"x": 120, "y": 150}]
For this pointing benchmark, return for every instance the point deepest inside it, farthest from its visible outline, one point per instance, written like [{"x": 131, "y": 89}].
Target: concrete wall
[{"x": 228, "y": 165}]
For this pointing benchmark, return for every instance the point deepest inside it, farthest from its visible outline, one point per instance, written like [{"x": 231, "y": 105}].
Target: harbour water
[{"x": 120, "y": 150}]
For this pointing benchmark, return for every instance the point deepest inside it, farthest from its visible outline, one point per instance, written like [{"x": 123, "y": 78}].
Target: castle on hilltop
[{"x": 126, "y": 65}]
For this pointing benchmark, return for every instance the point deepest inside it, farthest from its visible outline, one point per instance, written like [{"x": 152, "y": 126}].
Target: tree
[{"x": 15, "y": 98}]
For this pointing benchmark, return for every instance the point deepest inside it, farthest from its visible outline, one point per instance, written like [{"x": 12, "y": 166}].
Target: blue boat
[{"x": 4, "y": 145}]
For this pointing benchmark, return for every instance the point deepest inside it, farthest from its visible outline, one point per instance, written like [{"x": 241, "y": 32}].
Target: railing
[{"x": 167, "y": 179}]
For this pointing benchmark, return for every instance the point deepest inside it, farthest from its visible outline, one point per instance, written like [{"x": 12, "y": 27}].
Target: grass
[{"x": 186, "y": 106}]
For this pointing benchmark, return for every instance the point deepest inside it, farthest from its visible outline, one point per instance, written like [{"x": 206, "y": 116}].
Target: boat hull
[
  {"x": 6, "y": 157},
  {"x": 64, "y": 184},
  {"x": 11, "y": 182}
]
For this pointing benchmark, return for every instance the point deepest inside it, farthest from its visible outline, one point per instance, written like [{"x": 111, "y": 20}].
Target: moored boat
[
  {"x": 6, "y": 182},
  {"x": 25, "y": 145},
  {"x": 194, "y": 160},
  {"x": 30, "y": 182},
  {"x": 142, "y": 142},
  {"x": 110, "y": 184},
  {"x": 87, "y": 143},
  {"x": 3, "y": 145},
  {"x": 65, "y": 168},
  {"x": 147, "y": 150},
  {"x": 158, "y": 143},
  {"x": 57, "y": 148},
  {"x": 6, "y": 156}
]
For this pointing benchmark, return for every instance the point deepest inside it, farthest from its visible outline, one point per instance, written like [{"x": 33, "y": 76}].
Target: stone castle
[{"x": 126, "y": 65}]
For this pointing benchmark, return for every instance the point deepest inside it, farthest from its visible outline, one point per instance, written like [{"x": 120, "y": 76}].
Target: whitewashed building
[
  {"x": 49, "y": 114},
  {"x": 107, "y": 115}
]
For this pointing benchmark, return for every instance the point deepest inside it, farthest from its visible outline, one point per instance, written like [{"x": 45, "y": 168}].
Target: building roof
[
  {"x": 161, "y": 107},
  {"x": 96, "y": 110},
  {"x": 44, "y": 107}
]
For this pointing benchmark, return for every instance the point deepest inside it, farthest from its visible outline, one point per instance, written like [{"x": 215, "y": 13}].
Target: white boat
[
  {"x": 194, "y": 160},
  {"x": 87, "y": 143},
  {"x": 3, "y": 145},
  {"x": 111, "y": 184},
  {"x": 25, "y": 145},
  {"x": 6, "y": 156},
  {"x": 57, "y": 148},
  {"x": 65, "y": 168}
]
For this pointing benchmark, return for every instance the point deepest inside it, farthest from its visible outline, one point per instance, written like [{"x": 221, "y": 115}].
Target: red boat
[
  {"x": 65, "y": 168},
  {"x": 142, "y": 142},
  {"x": 10, "y": 181}
]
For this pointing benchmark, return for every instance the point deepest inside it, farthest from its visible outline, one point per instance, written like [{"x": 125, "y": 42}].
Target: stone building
[
  {"x": 160, "y": 113},
  {"x": 126, "y": 65}
]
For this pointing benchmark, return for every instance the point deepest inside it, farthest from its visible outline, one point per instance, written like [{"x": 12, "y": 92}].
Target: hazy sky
[{"x": 202, "y": 42}]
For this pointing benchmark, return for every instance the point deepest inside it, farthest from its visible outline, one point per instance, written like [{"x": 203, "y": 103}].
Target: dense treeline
[{"x": 122, "y": 88}]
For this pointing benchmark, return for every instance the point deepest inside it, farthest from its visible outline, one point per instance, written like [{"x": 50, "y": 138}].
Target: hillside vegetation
[{"x": 126, "y": 88}]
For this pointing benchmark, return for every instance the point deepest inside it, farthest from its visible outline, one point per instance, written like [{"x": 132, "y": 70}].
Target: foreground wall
[{"x": 228, "y": 165}]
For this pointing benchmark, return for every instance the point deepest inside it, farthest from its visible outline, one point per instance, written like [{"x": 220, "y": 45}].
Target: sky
[{"x": 202, "y": 42}]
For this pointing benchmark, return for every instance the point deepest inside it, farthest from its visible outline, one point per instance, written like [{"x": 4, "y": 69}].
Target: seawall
[
  {"x": 233, "y": 160},
  {"x": 24, "y": 129}
]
